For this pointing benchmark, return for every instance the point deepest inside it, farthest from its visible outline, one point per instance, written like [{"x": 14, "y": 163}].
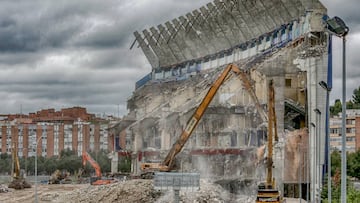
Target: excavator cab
[{"x": 268, "y": 193}]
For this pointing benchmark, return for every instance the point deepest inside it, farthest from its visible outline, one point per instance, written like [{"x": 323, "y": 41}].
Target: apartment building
[
  {"x": 352, "y": 131},
  {"x": 48, "y": 132}
]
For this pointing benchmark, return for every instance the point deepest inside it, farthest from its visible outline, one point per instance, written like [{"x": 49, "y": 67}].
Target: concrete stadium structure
[{"x": 280, "y": 40}]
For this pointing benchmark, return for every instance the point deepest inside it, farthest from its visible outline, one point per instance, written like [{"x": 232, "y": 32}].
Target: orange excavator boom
[{"x": 87, "y": 158}]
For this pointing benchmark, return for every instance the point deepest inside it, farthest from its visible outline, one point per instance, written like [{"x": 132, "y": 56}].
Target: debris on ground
[
  {"x": 19, "y": 184},
  {"x": 128, "y": 191},
  {"x": 3, "y": 189},
  {"x": 143, "y": 191}
]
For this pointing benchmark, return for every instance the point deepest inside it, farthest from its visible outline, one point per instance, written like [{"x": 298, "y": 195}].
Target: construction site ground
[{"x": 123, "y": 191}]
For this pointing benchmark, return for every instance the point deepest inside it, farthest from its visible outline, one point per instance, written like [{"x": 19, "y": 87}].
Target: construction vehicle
[
  {"x": 18, "y": 181},
  {"x": 148, "y": 169},
  {"x": 95, "y": 180},
  {"x": 267, "y": 191},
  {"x": 60, "y": 177}
]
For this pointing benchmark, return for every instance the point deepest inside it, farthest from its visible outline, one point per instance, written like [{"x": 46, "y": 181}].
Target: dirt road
[{"x": 46, "y": 193}]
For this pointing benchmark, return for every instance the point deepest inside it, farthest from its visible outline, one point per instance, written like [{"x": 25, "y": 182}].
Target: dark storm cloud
[
  {"x": 348, "y": 11},
  {"x": 57, "y": 54}
]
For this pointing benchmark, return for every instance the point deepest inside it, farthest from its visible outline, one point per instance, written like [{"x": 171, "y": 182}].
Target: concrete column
[
  {"x": 39, "y": 130},
  {"x": 61, "y": 138},
  {"x": 75, "y": 137},
  {"x": 97, "y": 138},
  {"x": 3, "y": 139},
  {"x": 86, "y": 137},
  {"x": 50, "y": 141}
]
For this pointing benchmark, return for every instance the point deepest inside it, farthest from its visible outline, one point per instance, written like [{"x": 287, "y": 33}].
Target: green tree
[
  {"x": 350, "y": 105},
  {"x": 5, "y": 164},
  {"x": 124, "y": 164},
  {"x": 335, "y": 162},
  {"x": 356, "y": 97},
  {"x": 102, "y": 159},
  {"x": 334, "y": 110}
]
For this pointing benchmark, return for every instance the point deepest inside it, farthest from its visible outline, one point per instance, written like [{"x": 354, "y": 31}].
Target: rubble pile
[
  {"x": 211, "y": 192},
  {"x": 128, "y": 191},
  {"x": 19, "y": 184},
  {"x": 143, "y": 191},
  {"x": 3, "y": 189}
]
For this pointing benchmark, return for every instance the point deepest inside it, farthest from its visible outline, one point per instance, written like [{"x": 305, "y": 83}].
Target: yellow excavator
[
  {"x": 267, "y": 191},
  {"x": 18, "y": 182},
  {"x": 168, "y": 164}
]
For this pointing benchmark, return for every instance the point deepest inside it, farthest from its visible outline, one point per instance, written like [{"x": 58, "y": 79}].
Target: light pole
[
  {"x": 317, "y": 150},
  {"x": 338, "y": 27},
  {"x": 327, "y": 131},
  {"x": 36, "y": 146},
  {"x": 312, "y": 198}
]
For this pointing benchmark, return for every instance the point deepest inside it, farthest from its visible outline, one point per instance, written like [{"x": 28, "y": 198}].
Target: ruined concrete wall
[
  {"x": 288, "y": 47},
  {"x": 231, "y": 122},
  {"x": 296, "y": 156},
  {"x": 219, "y": 26}
]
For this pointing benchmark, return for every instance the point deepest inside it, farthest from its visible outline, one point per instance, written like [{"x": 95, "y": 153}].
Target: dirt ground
[{"x": 44, "y": 193}]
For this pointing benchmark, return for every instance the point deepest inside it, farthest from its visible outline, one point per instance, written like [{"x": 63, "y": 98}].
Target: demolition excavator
[
  {"x": 267, "y": 191},
  {"x": 95, "y": 180},
  {"x": 148, "y": 169},
  {"x": 18, "y": 181}
]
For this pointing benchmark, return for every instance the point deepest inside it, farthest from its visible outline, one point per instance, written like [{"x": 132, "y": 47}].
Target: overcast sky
[{"x": 59, "y": 54}]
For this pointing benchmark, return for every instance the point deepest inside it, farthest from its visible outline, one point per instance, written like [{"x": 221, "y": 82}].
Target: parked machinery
[
  {"x": 95, "y": 180},
  {"x": 18, "y": 181}
]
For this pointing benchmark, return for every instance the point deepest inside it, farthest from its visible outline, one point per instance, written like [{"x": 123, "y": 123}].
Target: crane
[{"x": 267, "y": 191}]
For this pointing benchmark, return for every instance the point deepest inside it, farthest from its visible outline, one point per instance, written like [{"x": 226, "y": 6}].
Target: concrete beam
[
  {"x": 178, "y": 39},
  {"x": 225, "y": 9},
  {"x": 239, "y": 19},
  {"x": 208, "y": 31},
  {"x": 249, "y": 20},
  {"x": 223, "y": 42},
  {"x": 271, "y": 7},
  {"x": 290, "y": 5},
  {"x": 171, "y": 43},
  {"x": 204, "y": 36},
  {"x": 197, "y": 44},
  {"x": 190, "y": 49},
  {"x": 152, "y": 58},
  {"x": 163, "y": 46},
  {"x": 154, "y": 46},
  {"x": 283, "y": 12},
  {"x": 220, "y": 26},
  {"x": 257, "y": 16},
  {"x": 223, "y": 22}
]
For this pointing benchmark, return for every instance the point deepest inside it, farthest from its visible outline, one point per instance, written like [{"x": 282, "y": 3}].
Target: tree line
[
  {"x": 353, "y": 173},
  {"x": 353, "y": 103},
  {"x": 68, "y": 160}
]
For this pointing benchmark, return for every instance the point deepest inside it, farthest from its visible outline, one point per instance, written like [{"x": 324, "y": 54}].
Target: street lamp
[
  {"x": 317, "y": 151},
  {"x": 338, "y": 27},
  {"x": 327, "y": 131},
  {"x": 36, "y": 146},
  {"x": 313, "y": 172}
]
